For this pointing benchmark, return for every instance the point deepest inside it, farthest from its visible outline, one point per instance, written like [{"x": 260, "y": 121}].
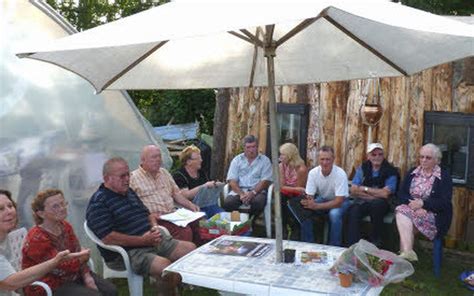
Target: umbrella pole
[{"x": 270, "y": 55}]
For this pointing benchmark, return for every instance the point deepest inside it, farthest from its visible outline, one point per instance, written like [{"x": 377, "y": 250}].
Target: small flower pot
[
  {"x": 345, "y": 279},
  {"x": 289, "y": 255}
]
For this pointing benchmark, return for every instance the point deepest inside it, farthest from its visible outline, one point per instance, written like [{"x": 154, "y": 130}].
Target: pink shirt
[{"x": 289, "y": 175}]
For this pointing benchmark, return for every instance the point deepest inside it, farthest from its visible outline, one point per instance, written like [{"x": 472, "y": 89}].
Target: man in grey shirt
[{"x": 249, "y": 175}]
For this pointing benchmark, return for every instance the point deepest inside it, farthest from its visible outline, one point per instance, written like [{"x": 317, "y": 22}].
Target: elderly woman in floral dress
[{"x": 426, "y": 196}]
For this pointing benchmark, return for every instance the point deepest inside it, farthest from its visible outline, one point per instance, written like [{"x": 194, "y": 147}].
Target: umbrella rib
[
  {"x": 249, "y": 37},
  {"x": 365, "y": 45},
  {"x": 254, "y": 58},
  {"x": 133, "y": 64},
  {"x": 300, "y": 27}
]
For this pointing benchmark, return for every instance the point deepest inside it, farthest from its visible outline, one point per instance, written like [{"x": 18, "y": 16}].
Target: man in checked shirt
[{"x": 157, "y": 189}]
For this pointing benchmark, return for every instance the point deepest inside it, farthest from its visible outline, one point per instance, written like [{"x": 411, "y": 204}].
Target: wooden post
[{"x": 221, "y": 120}]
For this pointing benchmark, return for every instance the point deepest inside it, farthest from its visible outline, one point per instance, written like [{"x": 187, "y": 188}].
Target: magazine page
[
  {"x": 237, "y": 248},
  {"x": 307, "y": 257},
  {"x": 182, "y": 217}
]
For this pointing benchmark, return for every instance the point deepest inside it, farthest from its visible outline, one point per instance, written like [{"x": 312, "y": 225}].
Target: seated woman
[
  {"x": 293, "y": 176},
  {"x": 190, "y": 178},
  {"x": 426, "y": 195},
  {"x": 10, "y": 279},
  {"x": 51, "y": 235}
]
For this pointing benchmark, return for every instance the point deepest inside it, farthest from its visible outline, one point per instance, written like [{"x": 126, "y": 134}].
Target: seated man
[
  {"x": 326, "y": 193},
  {"x": 117, "y": 216},
  {"x": 375, "y": 180},
  {"x": 159, "y": 192},
  {"x": 249, "y": 175}
]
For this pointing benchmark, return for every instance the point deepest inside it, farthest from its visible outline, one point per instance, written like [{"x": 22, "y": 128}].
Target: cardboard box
[{"x": 220, "y": 224}]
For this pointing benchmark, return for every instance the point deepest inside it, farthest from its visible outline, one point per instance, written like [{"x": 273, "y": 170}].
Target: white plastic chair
[
  {"x": 267, "y": 212},
  {"x": 16, "y": 239},
  {"x": 135, "y": 281}
]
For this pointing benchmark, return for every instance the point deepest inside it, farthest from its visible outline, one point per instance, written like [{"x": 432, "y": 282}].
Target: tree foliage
[
  {"x": 158, "y": 106},
  {"x": 443, "y": 7}
]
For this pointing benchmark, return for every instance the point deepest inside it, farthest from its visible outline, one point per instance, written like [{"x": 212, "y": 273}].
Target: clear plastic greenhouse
[{"x": 54, "y": 131}]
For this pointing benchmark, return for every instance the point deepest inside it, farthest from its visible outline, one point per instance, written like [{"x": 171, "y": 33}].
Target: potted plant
[{"x": 345, "y": 274}]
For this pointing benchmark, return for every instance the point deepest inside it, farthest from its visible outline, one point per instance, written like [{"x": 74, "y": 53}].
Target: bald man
[{"x": 157, "y": 189}]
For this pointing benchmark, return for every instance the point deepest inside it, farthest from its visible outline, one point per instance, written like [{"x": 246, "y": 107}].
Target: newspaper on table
[
  {"x": 182, "y": 217},
  {"x": 208, "y": 196}
]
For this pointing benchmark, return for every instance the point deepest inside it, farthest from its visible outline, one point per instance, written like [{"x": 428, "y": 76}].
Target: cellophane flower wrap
[{"x": 372, "y": 265}]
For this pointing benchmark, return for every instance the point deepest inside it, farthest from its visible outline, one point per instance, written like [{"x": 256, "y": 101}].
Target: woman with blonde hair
[
  {"x": 293, "y": 176},
  {"x": 293, "y": 171},
  {"x": 190, "y": 178}
]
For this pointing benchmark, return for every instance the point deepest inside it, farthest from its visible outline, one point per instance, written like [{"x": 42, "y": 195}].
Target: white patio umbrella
[{"x": 218, "y": 44}]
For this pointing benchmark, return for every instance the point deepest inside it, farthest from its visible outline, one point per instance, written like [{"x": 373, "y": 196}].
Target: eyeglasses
[
  {"x": 59, "y": 206},
  {"x": 427, "y": 157}
]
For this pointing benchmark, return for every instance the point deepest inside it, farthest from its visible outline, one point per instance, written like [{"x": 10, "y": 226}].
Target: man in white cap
[{"x": 374, "y": 182}]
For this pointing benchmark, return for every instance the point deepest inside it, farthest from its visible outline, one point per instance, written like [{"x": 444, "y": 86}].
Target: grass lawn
[{"x": 422, "y": 282}]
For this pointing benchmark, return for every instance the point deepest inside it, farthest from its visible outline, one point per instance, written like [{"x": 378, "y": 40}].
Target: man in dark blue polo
[{"x": 118, "y": 217}]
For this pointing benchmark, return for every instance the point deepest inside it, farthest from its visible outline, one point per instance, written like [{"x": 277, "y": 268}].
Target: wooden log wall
[{"x": 335, "y": 120}]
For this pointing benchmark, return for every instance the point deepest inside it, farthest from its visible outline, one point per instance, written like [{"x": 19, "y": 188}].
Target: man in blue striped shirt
[{"x": 117, "y": 216}]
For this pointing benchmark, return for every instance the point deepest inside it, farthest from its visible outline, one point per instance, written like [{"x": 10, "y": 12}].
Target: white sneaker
[{"x": 409, "y": 255}]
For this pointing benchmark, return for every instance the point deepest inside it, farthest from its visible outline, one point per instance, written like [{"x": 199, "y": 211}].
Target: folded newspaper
[{"x": 182, "y": 217}]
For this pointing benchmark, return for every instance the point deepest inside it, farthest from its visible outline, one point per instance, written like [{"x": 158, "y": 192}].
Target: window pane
[
  {"x": 452, "y": 140},
  {"x": 289, "y": 128}
]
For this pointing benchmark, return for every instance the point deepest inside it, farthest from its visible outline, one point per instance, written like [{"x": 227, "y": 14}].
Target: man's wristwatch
[{"x": 366, "y": 189}]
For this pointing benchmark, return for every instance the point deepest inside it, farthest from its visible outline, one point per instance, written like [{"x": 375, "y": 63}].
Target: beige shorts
[{"x": 141, "y": 258}]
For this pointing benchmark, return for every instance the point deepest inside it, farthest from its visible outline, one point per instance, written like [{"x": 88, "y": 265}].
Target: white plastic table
[{"x": 262, "y": 275}]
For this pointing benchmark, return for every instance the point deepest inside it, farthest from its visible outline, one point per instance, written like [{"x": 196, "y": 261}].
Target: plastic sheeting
[{"x": 54, "y": 132}]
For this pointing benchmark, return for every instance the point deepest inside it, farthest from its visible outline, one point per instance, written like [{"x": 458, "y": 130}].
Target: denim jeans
[
  {"x": 336, "y": 216},
  {"x": 211, "y": 210}
]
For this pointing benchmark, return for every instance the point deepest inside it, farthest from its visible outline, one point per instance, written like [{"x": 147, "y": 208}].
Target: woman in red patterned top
[{"x": 53, "y": 234}]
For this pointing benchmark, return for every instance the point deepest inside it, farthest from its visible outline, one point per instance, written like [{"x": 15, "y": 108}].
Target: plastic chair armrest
[{"x": 43, "y": 285}]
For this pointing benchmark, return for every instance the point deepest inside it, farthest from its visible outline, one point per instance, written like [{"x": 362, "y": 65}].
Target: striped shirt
[
  {"x": 110, "y": 211},
  {"x": 156, "y": 192}
]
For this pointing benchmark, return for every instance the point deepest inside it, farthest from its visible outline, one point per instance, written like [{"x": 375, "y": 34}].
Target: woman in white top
[{"x": 10, "y": 279}]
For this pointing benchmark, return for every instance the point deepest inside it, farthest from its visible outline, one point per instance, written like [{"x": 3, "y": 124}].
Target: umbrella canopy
[
  {"x": 217, "y": 44},
  {"x": 187, "y": 44}
]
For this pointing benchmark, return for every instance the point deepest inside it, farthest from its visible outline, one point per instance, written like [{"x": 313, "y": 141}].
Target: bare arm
[
  {"x": 310, "y": 203},
  {"x": 302, "y": 176},
  {"x": 27, "y": 276},
  {"x": 262, "y": 185},
  {"x": 147, "y": 239},
  {"x": 191, "y": 193},
  {"x": 181, "y": 200},
  {"x": 234, "y": 185}
]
